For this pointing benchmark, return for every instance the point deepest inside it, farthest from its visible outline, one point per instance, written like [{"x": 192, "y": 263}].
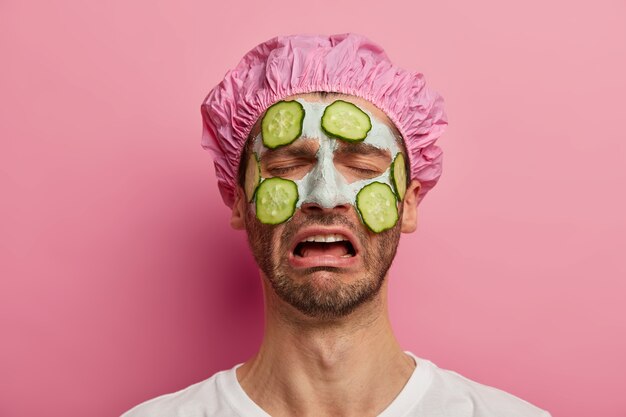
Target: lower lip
[{"x": 313, "y": 261}]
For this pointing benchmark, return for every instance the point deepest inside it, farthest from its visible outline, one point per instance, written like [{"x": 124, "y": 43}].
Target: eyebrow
[
  {"x": 362, "y": 149},
  {"x": 305, "y": 149}
]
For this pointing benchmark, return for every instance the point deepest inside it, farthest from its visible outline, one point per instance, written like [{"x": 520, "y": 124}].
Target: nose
[
  {"x": 315, "y": 208},
  {"x": 325, "y": 189}
]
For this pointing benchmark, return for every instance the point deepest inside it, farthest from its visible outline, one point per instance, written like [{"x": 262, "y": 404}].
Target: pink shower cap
[{"x": 344, "y": 63}]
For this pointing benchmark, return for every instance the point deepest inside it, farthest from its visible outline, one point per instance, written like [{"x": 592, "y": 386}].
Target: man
[{"x": 324, "y": 149}]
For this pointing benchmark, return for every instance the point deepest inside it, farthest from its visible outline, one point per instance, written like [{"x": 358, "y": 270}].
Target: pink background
[{"x": 120, "y": 277}]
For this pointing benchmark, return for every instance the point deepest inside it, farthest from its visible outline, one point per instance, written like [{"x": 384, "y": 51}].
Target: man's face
[{"x": 324, "y": 261}]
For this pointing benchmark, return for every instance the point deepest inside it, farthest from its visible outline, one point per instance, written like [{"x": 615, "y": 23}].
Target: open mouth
[{"x": 335, "y": 245}]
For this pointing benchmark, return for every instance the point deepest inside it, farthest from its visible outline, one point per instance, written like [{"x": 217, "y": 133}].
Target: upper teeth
[{"x": 325, "y": 238}]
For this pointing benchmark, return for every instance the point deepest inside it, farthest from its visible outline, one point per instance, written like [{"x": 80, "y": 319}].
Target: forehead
[{"x": 328, "y": 98}]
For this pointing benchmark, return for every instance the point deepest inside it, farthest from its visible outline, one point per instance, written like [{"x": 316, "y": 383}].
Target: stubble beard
[{"x": 335, "y": 299}]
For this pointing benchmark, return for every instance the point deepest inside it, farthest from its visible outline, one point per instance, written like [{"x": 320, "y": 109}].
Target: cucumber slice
[
  {"x": 345, "y": 121},
  {"x": 398, "y": 175},
  {"x": 282, "y": 123},
  {"x": 276, "y": 200},
  {"x": 253, "y": 176},
  {"x": 377, "y": 206}
]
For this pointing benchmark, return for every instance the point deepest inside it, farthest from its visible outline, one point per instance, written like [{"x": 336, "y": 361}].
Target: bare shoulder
[{"x": 463, "y": 396}]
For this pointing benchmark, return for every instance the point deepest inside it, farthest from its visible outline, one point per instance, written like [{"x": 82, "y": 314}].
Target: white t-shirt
[{"x": 429, "y": 392}]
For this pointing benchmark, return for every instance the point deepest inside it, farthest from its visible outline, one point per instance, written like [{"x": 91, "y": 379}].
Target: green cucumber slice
[
  {"x": 282, "y": 123},
  {"x": 253, "y": 176},
  {"x": 345, "y": 121},
  {"x": 377, "y": 205},
  {"x": 398, "y": 175},
  {"x": 276, "y": 200}
]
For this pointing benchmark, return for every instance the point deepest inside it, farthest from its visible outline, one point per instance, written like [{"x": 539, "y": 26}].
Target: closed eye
[
  {"x": 292, "y": 168},
  {"x": 282, "y": 170},
  {"x": 365, "y": 171},
  {"x": 292, "y": 162},
  {"x": 361, "y": 161}
]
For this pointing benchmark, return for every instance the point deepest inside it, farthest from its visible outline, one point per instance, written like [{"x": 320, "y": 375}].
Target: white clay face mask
[{"x": 331, "y": 127}]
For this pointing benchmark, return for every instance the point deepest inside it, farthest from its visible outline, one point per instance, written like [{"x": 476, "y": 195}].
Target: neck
[{"x": 351, "y": 366}]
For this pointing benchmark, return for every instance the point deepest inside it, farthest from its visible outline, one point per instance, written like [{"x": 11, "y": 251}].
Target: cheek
[
  {"x": 265, "y": 235},
  {"x": 258, "y": 233}
]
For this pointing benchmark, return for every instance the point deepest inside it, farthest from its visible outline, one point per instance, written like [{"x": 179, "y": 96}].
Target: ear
[
  {"x": 237, "y": 217},
  {"x": 409, "y": 212}
]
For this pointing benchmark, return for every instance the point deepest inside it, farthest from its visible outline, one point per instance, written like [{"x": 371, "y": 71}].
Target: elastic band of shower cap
[{"x": 344, "y": 63}]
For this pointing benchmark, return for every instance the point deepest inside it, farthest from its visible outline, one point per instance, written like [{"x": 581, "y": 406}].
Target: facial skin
[{"x": 325, "y": 286}]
